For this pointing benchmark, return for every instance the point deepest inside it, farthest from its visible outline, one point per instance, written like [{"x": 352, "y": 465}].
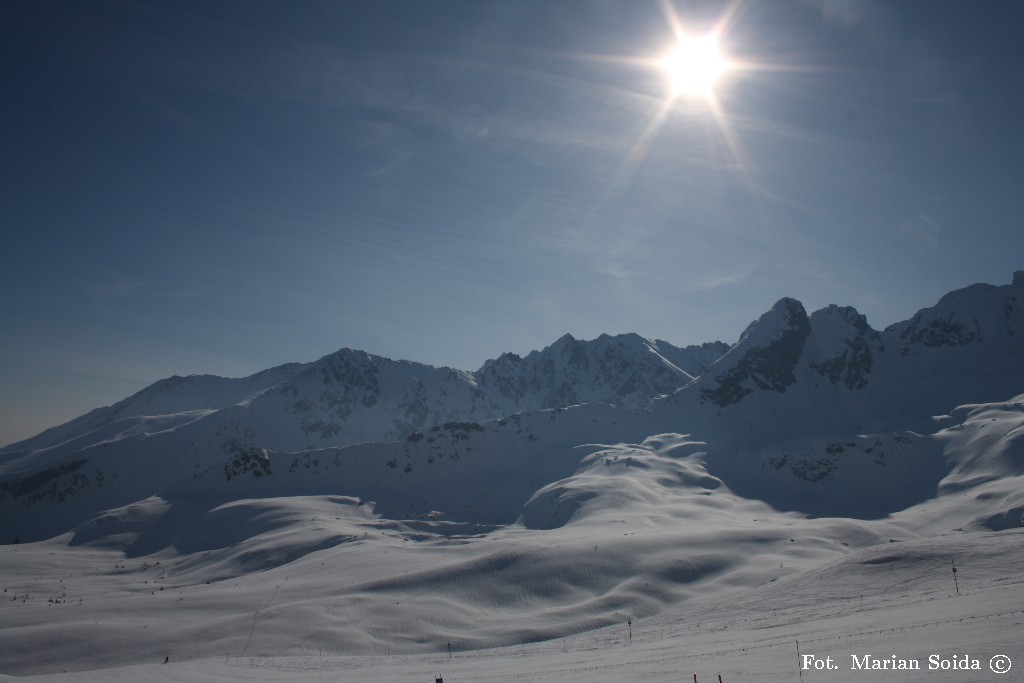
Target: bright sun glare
[
  {"x": 694, "y": 68},
  {"x": 694, "y": 65}
]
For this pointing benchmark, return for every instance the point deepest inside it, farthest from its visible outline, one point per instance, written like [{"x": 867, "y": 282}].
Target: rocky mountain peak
[
  {"x": 960, "y": 318},
  {"x": 505, "y": 360},
  {"x": 624, "y": 369},
  {"x": 847, "y": 314},
  {"x": 843, "y": 346},
  {"x": 786, "y": 314},
  {"x": 764, "y": 358}
]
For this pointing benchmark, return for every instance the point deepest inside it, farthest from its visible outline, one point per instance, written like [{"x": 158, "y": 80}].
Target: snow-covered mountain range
[
  {"x": 915, "y": 430},
  {"x": 354, "y": 397},
  {"x": 790, "y": 378}
]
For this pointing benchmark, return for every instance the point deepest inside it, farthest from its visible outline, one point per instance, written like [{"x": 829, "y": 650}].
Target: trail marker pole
[
  {"x": 955, "y": 582},
  {"x": 799, "y": 670},
  {"x": 629, "y": 622}
]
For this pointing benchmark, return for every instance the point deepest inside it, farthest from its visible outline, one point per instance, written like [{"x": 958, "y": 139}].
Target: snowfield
[{"x": 891, "y": 599}]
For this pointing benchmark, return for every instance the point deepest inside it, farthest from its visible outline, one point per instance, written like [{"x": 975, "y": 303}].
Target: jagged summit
[
  {"x": 625, "y": 369},
  {"x": 783, "y": 315},
  {"x": 842, "y": 347},
  {"x": 764, "y": 358},
  {"x": 966, "y": 346}
]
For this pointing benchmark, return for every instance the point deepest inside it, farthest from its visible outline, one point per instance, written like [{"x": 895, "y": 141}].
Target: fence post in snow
[
  {"x": 799, "y": 669},
  {"x": 955, "y": 582}
]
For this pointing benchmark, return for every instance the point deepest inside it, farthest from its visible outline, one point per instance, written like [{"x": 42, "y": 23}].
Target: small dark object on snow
[
  {"x": 438, "y": 680},
  {"x": 167, "y": 659}
]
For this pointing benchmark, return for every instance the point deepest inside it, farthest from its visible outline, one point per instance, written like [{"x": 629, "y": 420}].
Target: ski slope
[{"x": 893, "y": 599}]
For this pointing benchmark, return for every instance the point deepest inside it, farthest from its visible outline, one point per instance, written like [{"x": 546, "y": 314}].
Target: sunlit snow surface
[
  {"x": 237, "y": 581},
  {"x": 896, "y": 598},
  {"x": 322, "y": 588}
]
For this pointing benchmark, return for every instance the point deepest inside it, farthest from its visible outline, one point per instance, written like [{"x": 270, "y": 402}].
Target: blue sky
[{"x": 220, "y": 187}]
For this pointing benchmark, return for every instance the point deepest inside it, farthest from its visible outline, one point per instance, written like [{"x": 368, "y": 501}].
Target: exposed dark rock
[
  {"x": 56, "y": 482},
  {"x": 938, "y": 333},
  {"x": 768, "y": 367},
  {"x": 853, "y": 365}
]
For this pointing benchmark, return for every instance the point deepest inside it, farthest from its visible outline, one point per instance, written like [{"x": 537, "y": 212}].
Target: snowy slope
[
  {"x": 172, "y": 401},
  {"x": 665, "y": 545},
  {"x": 875, "y": 601}
]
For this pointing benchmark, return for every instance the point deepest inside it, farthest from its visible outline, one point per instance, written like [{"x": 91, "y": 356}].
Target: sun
[{"x": 694, "y": 65}]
